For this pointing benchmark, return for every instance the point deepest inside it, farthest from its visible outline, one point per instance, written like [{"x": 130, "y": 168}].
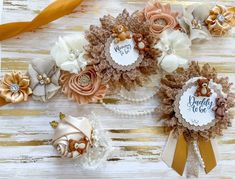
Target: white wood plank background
[{"x": 138, "y": 142}]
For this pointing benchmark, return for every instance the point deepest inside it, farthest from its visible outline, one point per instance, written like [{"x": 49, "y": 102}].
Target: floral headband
[{"x": 124, "y": 53}]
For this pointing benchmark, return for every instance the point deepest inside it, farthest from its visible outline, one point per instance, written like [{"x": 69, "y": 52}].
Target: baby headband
[{"x": 121, "y": 56}]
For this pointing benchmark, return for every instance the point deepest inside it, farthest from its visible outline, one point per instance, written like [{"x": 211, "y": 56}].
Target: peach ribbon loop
[{"x": 55, "y": 10}]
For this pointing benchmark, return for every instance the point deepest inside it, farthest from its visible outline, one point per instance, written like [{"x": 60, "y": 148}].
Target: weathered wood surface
[{"x": 137, "y": 141}]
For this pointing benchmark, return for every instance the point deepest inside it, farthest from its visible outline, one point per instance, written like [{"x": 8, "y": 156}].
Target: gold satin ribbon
[
  {"x": 181, "y": 154},
  {"x": 55, "y": 10},
  {"x": 232, "y": 9},
  {"x": 2, "y": 102},
  {"x": 207, "y": 153}
]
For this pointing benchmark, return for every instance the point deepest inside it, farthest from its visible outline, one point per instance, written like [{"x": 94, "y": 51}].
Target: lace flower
[
  {"x": 14, "y": 87},
  {"x": 44, "y": 77},
  {"x": 84, "y": 87},
  {"x": 69, "y": 54},
  {"x": 219, "y": 20},
  {"x": 174, "y": 45},
  {"x": 160, "y": 17},
  {"x": 192, "y": 22}
]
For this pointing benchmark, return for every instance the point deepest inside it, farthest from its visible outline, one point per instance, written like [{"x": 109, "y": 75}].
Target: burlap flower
[
  {"x": 14, "y": 87},
  {"x": 173, "y": 51},
  {"x": 160, "y": 17},
  {"x": 192, "y": 22},
  {"x": 171, "y": 85},
  {"x": 44, "y": 77},
  {"x": 116, "y": 77},
  {"x": 219, "y": 21},
  {"x": 69, "y": 54},
  {"x": 84, "y": 87}
]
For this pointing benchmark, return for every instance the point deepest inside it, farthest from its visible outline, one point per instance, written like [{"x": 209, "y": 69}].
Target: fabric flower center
[
  {"x": 74, "y": 54},
  {"x": 220, "y": 18},
  {"x": 44, "y": 79},
  {"x": 160, "y": 21},
  {"x": 196, "y": 24},
  {"x": 14, "y": 88},
  {"x": 84, "y": 80}
]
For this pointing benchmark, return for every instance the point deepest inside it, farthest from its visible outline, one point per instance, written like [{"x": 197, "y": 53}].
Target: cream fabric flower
[
  {"x": 69, "y": 54},
  {"x": 174, "y": 45},
  {"x": 44, "y": 78},
  {"x": 72, "y": 136},
  {"x": 192, "y": 21}
]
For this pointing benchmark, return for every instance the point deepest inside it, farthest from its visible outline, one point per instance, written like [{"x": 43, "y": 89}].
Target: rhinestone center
[
  {"x": 14, "y": 88},
  {"x": 220, "y": 18},
  {"x": 84, "y": 80}
]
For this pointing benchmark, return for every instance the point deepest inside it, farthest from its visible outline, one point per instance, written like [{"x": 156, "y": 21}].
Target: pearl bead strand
[
  {"x": 127, "y": 112},
  {"x": 196, "y": 150},
  {"x": 137, "y": 100}
]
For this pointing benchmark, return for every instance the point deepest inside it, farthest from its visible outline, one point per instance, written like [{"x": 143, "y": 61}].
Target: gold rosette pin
[{"x": 194, "y": 104}]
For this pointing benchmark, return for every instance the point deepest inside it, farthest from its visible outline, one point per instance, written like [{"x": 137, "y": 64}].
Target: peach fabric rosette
[
  {"x": 14, "y": 87},
  {"x": 160, "y": 17},
  {"x": 83, "y": 87},
  {"x": 219, "y": 20}
]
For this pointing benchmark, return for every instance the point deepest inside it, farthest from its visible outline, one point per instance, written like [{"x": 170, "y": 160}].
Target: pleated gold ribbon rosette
[{"x": 194, "y": 104}]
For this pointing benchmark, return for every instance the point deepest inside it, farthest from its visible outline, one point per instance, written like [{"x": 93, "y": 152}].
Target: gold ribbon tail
[
  {"x": 176, "y": 152},
  {"x": 208, "y": 154},
  {"x": 232, "y": 9},
  {"x": 2, "y": 102},
  {"x": 55, "y": 10}
]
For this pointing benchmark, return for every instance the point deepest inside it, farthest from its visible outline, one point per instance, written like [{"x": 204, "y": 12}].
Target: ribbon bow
[{"x": 176, "y": 153}]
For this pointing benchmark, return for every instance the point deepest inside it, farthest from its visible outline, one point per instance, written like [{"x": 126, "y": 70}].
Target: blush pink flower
[{"x": 160, "y": 17}]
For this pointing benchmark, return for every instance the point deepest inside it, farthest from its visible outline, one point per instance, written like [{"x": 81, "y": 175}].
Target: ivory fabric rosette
[
  {"x": 174, "y": 44},
  {"x": 69, "y": 54},
  {"x": 81, "y": 138},
  {"x": 44, "y": 79},
  {"x": 192, "y": 21}
]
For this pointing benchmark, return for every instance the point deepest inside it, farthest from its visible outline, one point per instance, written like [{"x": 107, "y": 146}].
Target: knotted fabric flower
[
  {"x": 174, "y": 45},
  {"x": 84, "y": 87},
  {"x": 44, "y": 76},
  {"x": 14, "y": 87},
  {"x": 193, "y": 21},
  {"x": 72, "y": 136},
  {"x": 219, "y": 21},
  {"x": 159, "y": 16},
  {"x": 69, "y": 54}
]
